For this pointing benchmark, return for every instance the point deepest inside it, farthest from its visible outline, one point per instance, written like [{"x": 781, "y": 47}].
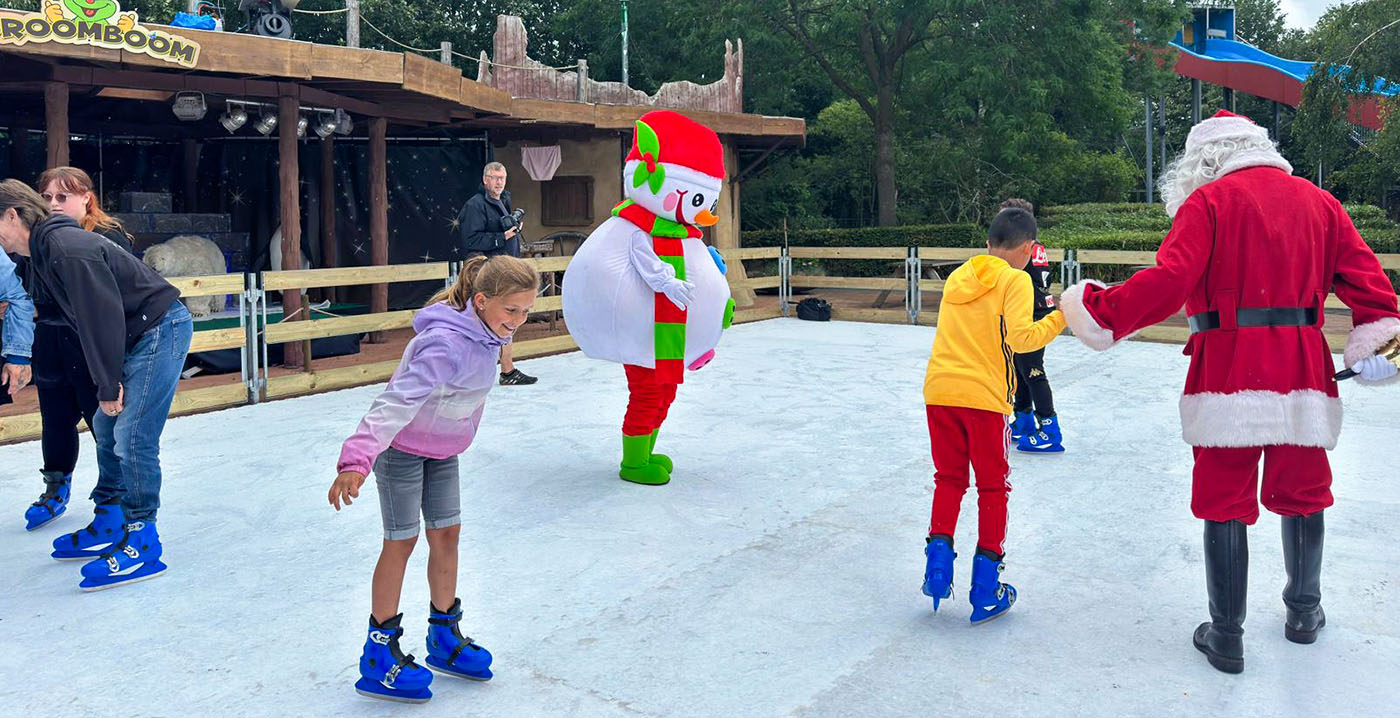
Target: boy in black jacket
[
  {"x": 135, "y": 335},
  {"x": 1035, "y": 427}
]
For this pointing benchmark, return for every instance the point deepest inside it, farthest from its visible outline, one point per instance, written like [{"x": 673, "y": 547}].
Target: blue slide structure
[{"x": 1210, "y": 53}]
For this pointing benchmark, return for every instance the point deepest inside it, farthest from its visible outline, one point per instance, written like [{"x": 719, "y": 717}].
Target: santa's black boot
[
  {"x": 1227, "y": 574},
  {"x": 1302, "y": 556}
]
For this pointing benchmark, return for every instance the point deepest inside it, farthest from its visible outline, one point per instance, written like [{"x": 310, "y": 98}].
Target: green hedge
[{"x": 909, "y": 235}]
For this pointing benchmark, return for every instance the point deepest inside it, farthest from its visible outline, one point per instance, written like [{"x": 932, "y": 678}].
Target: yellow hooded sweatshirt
[{"x": 983, "y": 319}]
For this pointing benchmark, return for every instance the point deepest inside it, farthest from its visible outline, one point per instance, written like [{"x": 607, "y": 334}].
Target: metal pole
[
  {"x": 1147, "y": 103},
  {"x": 624, "y": 43},
  {"x": 1162, "y": 128},
  {"x": 352, "y": 23},
  {"x": 1195, "y": 102},
  {"x": 1275, "y": 120}
]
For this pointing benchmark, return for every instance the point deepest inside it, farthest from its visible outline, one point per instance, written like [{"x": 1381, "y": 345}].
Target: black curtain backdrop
[{"x": 429, "y": 181}]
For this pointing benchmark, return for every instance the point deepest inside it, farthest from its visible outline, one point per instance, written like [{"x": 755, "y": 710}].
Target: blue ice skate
[
  {"x": 1023, "y": 424},
  {"x": 938, "y": 572},
  {"x": 990, "y": 597},
  {"x": 136, "y": 557},
  {"x": 1045, "y": 441},
  {"x": 52, "y": 503},
  {"x": 107, "y": 527},
  {"x": 452, "y": 653},
  {"x": 385, "y": 672}
]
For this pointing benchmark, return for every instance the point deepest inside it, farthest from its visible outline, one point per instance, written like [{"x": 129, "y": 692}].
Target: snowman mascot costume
[
  {"x": 644, "y": 290},
  {"x": 1252, "y": 254}
]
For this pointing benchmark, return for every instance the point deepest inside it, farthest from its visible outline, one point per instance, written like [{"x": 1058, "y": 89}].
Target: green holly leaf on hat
[{"x": 649, "y": 171}]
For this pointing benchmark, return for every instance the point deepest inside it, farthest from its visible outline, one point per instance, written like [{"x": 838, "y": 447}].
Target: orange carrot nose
[{"x": 705, "y": 218}]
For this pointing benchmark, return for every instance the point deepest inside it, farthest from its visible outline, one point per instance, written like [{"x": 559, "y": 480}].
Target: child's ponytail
[{"x": 493, "y": 276}]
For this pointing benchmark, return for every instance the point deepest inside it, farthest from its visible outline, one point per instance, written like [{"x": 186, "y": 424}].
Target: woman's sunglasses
[{"x": 61, "y": 197}]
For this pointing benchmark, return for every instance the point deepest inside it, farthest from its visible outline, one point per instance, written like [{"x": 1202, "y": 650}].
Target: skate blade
[
  {"x": 444, "y": 670},
  {"x": 989, "y": 619},
  {"x": 376, "y": 690},
  {"x": 45, "y": 522},
  {"x": 156, "y": 568}
]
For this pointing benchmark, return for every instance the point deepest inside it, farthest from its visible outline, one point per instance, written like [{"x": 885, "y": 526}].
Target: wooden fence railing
[{"x": 255, "y": 332}]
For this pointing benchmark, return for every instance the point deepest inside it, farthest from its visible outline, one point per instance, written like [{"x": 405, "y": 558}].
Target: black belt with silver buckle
[{"x": 1257, "y": 317}]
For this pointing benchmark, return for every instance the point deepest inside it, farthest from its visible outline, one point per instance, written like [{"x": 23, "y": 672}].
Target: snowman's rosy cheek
[{"x": 670, "y": 203}]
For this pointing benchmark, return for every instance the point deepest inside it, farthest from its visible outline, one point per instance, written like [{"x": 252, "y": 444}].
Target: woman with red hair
[{"x": 61, "y": 376}]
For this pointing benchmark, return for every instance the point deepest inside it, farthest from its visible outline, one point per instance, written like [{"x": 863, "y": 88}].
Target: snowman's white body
[{"x": 609, "y": 307}]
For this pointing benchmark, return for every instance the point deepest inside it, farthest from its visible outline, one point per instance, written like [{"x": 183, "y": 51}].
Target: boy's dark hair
[
  {"x": 1011, "y": 228},
  {"x": 1018, "y": 203}
]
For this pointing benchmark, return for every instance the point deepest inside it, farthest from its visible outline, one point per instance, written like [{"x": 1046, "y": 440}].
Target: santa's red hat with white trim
[{"x": 1224, "y": 125}]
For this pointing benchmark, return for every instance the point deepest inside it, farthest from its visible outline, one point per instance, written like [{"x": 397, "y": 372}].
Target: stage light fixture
[
  {"x": 189, "y": 106},
  {"x": 343, "y": 124},
  {"x": 325, "y": 125},
  {"x": 267, "y": 123},
  {"x": 234, "y": 117}
]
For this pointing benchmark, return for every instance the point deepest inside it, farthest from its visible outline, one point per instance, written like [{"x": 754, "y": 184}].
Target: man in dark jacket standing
[
  {"x": 488, "y": 229},
  {"x": 135, "y": 335}
]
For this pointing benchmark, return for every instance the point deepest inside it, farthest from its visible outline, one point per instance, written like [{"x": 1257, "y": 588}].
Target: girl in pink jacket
[{"x": 410, "y": 438}]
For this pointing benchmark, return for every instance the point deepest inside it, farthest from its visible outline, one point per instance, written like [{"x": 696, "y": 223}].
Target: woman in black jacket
[
  {"x": 135, "y": 335},
  {"x": 66, "y": 391}
]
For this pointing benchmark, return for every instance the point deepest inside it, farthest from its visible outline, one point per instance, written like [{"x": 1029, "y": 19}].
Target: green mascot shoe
[
  {"x": 637, "y": 466},
  {"x": 661, "y": 460}
]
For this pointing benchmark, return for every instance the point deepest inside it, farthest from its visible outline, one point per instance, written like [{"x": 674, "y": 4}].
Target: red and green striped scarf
[{"x": 666, "y": 239}]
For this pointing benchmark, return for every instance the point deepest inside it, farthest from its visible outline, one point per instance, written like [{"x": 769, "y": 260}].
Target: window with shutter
[{"x": 566, "y": 202}]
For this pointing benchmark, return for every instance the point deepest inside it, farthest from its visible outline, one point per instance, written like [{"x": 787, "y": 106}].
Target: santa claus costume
[
  {"x": 1253, "y": 253},
  {"x": 644, "y": 290}
]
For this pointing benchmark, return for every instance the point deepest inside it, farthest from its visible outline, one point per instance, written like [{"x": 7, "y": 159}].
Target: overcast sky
[{"x": 1304, "y": 13}]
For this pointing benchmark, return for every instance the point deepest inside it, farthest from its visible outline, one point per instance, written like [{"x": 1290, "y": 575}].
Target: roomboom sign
[{"x": 99, "y": 23}]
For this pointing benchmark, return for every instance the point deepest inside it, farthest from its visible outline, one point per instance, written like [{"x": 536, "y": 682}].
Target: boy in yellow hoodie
[{"x": 984, "y": 320}]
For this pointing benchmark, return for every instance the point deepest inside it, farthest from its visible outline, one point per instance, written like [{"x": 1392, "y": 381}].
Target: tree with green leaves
[
  {"x": 1359, "y": 47},
  {"x": 864, "y": 48}
]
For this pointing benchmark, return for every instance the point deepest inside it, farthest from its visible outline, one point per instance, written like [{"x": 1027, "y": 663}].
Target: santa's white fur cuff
[
  {"x": 1080, "y": 321},
  {"x": 1366, "y": 340}
]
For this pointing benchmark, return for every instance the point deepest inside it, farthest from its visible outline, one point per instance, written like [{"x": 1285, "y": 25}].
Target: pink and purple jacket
[{"x": 433, "y": 403}]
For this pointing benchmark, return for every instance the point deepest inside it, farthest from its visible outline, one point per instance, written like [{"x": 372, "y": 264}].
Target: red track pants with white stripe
[{"x": 960, "y": 438}]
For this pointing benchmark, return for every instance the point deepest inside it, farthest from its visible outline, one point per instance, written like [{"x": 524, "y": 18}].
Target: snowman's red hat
[{"x": 683, "y": 143}]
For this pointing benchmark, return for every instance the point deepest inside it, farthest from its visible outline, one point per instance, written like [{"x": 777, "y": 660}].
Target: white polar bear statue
[{"x": 190, "y": 256}]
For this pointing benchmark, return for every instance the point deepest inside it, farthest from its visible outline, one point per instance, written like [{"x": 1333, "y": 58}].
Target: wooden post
[
  {"x": 446, "y": 53},
  {"x": 379, "y": 211},
  {"x": 56, "y": 123},
  {"x": 583, "y": 81},
  {"x": 352, "y": 23},
  {"x": 289, "y": 179},
  {"x": 19, "y": 153},
  {"x": 191, "y": 149},
  {"x": 329, "y": 256}
]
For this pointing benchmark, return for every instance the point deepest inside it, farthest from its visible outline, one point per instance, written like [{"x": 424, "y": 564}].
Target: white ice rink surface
[{"x": 778, "y": 574}]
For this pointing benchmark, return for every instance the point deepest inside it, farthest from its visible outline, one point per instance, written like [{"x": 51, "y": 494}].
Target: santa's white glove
[
  {"x": 1375, "y": 368},
  {"x": 679, "y": 291}
]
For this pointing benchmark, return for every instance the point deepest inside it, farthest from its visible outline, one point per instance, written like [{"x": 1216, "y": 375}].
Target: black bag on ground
[{"x": 814, "y": 309}]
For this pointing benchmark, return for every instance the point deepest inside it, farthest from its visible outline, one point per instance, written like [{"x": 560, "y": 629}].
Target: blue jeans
[{"x": 128, "y": 444}]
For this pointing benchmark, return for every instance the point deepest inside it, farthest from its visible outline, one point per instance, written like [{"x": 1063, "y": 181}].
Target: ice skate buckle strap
[
  {"x": 466, "y": 643},
  {"x": 1250, "y": 317}
]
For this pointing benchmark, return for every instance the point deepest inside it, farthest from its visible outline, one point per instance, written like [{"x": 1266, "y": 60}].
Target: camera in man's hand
[{"x": 513, "y": 219}]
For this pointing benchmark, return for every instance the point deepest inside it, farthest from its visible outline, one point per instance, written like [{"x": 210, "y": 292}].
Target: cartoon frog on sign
[{"x": 90, "y": 12}]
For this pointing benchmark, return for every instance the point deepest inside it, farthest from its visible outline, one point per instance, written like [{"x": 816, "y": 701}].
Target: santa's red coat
[{"x": 1258, "y": 237}]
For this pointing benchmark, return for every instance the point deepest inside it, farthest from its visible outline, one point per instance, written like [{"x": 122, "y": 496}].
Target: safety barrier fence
[{"x": 256, "y": 332}]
